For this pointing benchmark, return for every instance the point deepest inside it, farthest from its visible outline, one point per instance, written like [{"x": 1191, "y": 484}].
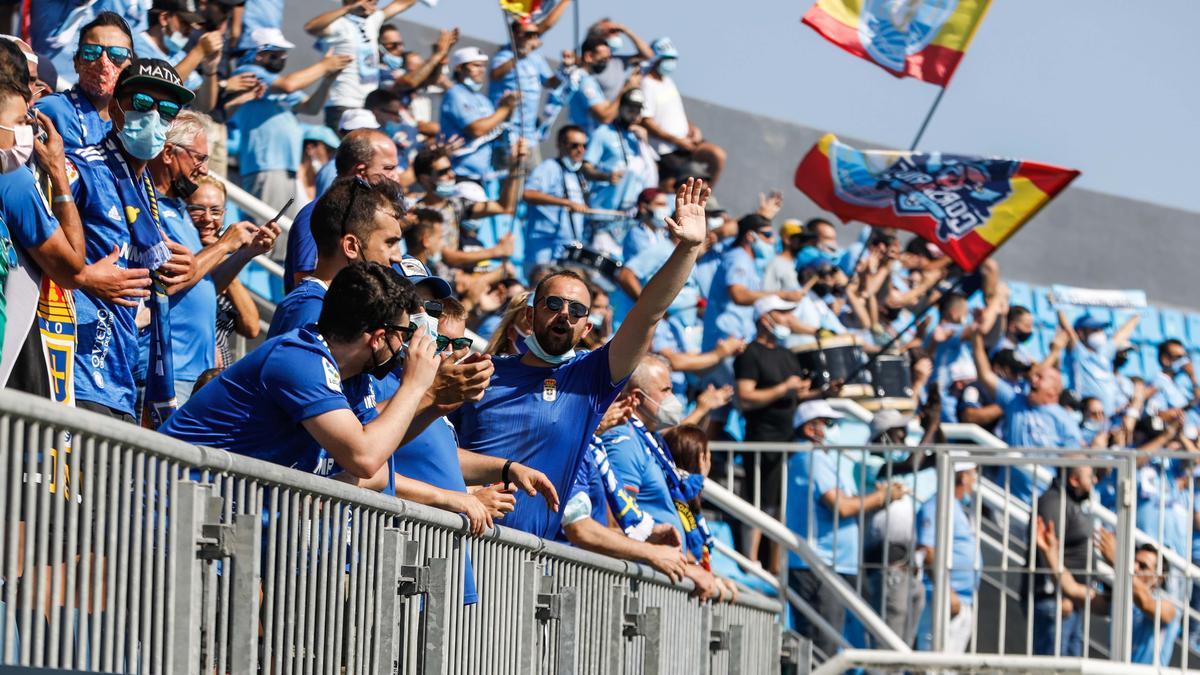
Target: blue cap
[
  {"x": 415, "y": 271},
  {"x": 1089, "y": 322},
  {"x": 664, "y": 49},
  {"x": 322, "y": 133},
  {"x": 811, "y": 256}
]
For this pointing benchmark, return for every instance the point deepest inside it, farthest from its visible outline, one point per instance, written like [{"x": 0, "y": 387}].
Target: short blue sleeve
[
  {"x": 592, "y": 93},
  {"x": 824, "y": 474},
  {"x": 304, "y": 383},
  {"x": 502, "y": 57},
  {"x": 23, "y": 209},
  {"x": 595, "y": 148},
  {"x": 77, "y": 179},
  {"x": 301, "y": 247},
  {"x": 1005, "y": 393},
  {"x": 464, "y": 109},
  {"x": 626, "y": 457},
  {"x": 65, "y": 118},
  {"x": 545, "y": 178},
  {"x": 1069, "y": 435},
  {"x": 741, "y": 272},
  {"x": 664, "y": 339},
  {"x": 926, "y": 523},
  {"x": 596, "y": 370}
]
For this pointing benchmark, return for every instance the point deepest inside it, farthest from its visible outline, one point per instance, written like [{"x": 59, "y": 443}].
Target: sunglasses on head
[
  {"x": 145, "y": 103},
  {"x": 118, "y": 55},
  {"x": 457, "y": 343},
  {"x": 576, "y": 310}
]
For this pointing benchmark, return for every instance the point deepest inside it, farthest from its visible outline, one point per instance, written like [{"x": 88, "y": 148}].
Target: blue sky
[{"x": 1106, "y": 87}]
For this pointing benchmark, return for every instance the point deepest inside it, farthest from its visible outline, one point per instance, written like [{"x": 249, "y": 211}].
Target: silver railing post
[
  {"x": 1122, "y": 597},
  {"x": 647, "y": 624},
  {"x": 391, "y": 543},
  {"x": 561, "y": 606},
  {"x": 527, "y": 590},
  {"x": 243, "y": 610},
  {"x": 183, "y": 649},
  {"x": 942, "y": 554},
  {"x": 615, "y": 633}
]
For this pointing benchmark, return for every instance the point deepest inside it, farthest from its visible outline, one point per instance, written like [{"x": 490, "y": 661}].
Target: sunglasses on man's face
[
  {"x": 576, "y": 310},
  {"x": 406, "y": 332},
  {"x": 145, "y": 103},
  {"x": 118, "y": 55},
  {"x": 456, "y": 343}
]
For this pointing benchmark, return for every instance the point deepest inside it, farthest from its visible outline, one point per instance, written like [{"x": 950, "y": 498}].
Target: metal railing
[{"x": 127, "y": 551}]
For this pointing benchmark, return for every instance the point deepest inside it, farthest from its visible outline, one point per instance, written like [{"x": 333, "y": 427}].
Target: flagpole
[{"x": 928, "y": 116}]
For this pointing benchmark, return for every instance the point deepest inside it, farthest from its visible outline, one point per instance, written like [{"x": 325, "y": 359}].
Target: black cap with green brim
[{"x": 154, "y": 72}]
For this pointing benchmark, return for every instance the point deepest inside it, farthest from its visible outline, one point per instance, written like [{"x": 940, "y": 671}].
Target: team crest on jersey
[
  {"x": 333, "y": 379},
  {"x": 550, "y": 390},
  {"x": 72, "y": 172}
]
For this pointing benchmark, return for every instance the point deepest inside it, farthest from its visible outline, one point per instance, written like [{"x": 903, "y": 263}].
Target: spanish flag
[
  {"x": 967, "y": 206},
  {"x": 924, "y": 39},
  {"x": 520, "y": 7}
]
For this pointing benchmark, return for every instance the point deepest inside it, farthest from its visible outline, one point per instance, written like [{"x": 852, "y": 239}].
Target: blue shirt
[
  {"x": 256, "y": 406},
  {"x": 1030, "y": 426},
  {"x": 1093, "y": 374},
  {"x": 301, "y": 247},
  {"x": 542, "y": 418},
  {"x": 259, "y": 14},
  {"x": 271, "y": 136},
  {"x": 588, "y": 480},
  {"x": 194, "y": 311},
  {"x": 640, "y": 474},
  {"x": 22, "y": 208},
  {"x": 75, "y": 118},
  {"x": 106, "y": 352},
  {"x": 548, "y": 221},
  {"x": 1142, "y": 635},
  {"x": 964, "y": 557},
  {"x": 948, "y": 352},
  {"x": 611, "y": 148},
  {"x": 579, "y": 106},
  {"x": 641, "y": 237},
  {"x": 300, "y": 308},
  {"x": 1169, "y": 394},
  {"x": 461, "y": 107},
  {"x": 708, "y": 264},
  {"x": 723, "y": 317},
  {"x": 810, "y": 518},
  {"x": 533, "y": 71},
  {"x": 325, "y": 178}
]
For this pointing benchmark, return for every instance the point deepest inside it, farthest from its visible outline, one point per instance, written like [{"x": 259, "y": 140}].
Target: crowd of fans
[{"x": 628, "y": 318}]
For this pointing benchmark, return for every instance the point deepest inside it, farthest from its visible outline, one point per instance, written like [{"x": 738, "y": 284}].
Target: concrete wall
[{"x": 1082, "y": 238}]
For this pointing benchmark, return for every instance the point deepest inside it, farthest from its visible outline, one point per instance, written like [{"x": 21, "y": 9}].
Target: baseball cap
[
  {"x": 323, "y": 134},
  {"x": 886, "y": 420},
  {"x": 634, "y": 97},
  {"x": 811, "y": 410},
  {"x": 791, "y": 227},
  {"x": 154, "y": 71},
  {"x": 184, "y": 9},
  {"x": 811, "y": 256},
  {"x": 357, "y": 118},
  {"x": 416, "y": 272},
  {"x": 771, "y": 303},
  {"x": 270, "y": 38},
  {"x": 663, "y": 48},
  {"x": 1089, "y": 322},
  {"x": 646, "y": 196},
  {"x": 963, "y": 371},
  {"x": 1010, "y": 359},
  {"x": 464, "y": 55}
]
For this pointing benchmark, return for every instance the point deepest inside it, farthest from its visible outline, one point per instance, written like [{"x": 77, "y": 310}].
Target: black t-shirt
[
  {"x": 1074, "y": 533},
  {"x": 768, "y": 366}
]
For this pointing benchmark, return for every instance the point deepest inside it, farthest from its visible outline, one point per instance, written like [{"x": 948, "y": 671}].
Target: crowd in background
[{"x": 557, "y": 210}]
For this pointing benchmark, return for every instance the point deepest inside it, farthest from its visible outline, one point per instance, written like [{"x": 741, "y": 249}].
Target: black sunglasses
[
  {"x": 576, "y": 310},
  {"x": 406, "y": 332},
  {"x": 359, "y": 182},
  {"x": 166, "y": 109},
  {"x": 433, "y": 308},
  {"x": 458, "y": 343},
  {"x": 91, "y": 52}
]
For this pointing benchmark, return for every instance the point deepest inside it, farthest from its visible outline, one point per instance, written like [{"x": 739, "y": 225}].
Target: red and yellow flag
[
  {"x": 520, "y": 7},
  {"x": 967, "y": 206},
  {"x": 924, "y": 39}
]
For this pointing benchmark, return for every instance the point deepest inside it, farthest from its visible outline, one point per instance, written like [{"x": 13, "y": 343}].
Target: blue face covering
[
  {"x": 391, "y": 61},
  {"x": 763, "y": 250},
  {"x": 572, "y": 166},
  {"x": 667, "y": 66},
  {"x": 175, "y": 43},
  {"x": 615, "y": 42},
  {"x": 553, "y": 359},
  {"x": 472, "y": 85},
  {"x": 445, "y": 189},
  {"x": 144, "y": 134}
]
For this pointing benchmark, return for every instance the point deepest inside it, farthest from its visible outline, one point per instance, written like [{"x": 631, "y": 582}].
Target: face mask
[
  {"x": 445, "y": 189},
  {"x": 553, "y": 359},
  {"x": 1097, "y": 340},
  {"x": 472, "y": 85},
  {"x": 596, "y": 319},
  {"x": 571, "y": 165},
  {"x": 143, "y": 135},
  {"x": 274, "y": 64},
  {"x": 15, "y": 157},
  {"x": 667, "y": 66},
  {"x": 966, "y": 501},
  {"x": 763, "y": 249},
  {"x": 615, "y": 42},
  {"x": 1021, "y": 337},
  {"x": 1178, "y": 364},
  {"x": 430, "y": 323},
  {"x": 98, "y": 78},
  {"x": 183, "y": 186},
  {"x": 670, "y": 412},
  {"x": 659, "y": 216},
  {"x": 435, "y": 259},
  {"x": 391, "y": 61},
  {"x": 820, "y": 289},
  {"x": 175, "y": 43},
  {"x": 599, "y": 66},
  {"x": 781, "y": 333},
  {"x": 1093, "y": 426},
  {"x": 381, "y": 370}
]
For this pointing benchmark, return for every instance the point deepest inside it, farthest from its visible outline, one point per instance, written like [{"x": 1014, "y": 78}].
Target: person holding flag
[
  {"x": 119, "y": 210},
  {"x": 521, "y": 67}
]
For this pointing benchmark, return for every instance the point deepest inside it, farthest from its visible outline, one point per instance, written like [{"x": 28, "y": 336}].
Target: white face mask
[
  {"x": 430, "y": 323},
  {"x": 670, "y": 412},
  {"x": 553, "y": 359},
  {"x": 1097, "y": 340},
  {"x": 15, "y": 157}
]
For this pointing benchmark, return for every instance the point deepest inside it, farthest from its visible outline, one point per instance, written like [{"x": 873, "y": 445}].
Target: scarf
[
  {"x": 683, "y": 487},
  {"x": 634, "y": 522}
]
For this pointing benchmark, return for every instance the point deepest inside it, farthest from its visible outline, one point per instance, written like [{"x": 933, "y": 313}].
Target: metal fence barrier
[{"x": 126, "y": 551}]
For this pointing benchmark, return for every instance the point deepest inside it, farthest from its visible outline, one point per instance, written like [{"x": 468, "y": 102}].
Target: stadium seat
[
  {"x": 1045, "y": 311},
  {"x": 1149, "y": 329},
  {"x": 1193, "y": 329},
  {"x": 1174, "y": 324},
  {"x": 1149, "y": 361},
  {"x": 1020, "y": 294},
  {"x": 1073, "y": 312}
]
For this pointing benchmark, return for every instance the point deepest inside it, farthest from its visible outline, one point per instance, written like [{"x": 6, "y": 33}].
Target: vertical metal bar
[
  {"x": 243, "y": 606},
  {"x": 388, "y": 647},
  {"x": 158, "y": 618},
  {"x": 184, "y": 649},
  {"x": 326, "y": 586},
  {"x": 942, "y": 553},
  {"x": 81, "y": 452},
  {"x": 301, "y": 645},
  {"x": 59, "y": 604},
  {"x": 613, "y": 635},
  {"x": 737, "y": 644},
  {"x": 292, "y": 565},
  {"x": 35, "y": 575},
  {"x": 437, "y": 617},
  {"x": 652, "y": 641},
  {"x": 568, "y": 631},
  {"x": 1122, "y": 597},
  {"x": 10, "y": 478},
  {"x": 270, "y": 511},
  {"x": 527, "y": 601}
]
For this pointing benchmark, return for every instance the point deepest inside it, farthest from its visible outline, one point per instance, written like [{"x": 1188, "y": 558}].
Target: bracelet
[
  {"x": 63, "y": 199},
  {"x": 504, "y": 473}
]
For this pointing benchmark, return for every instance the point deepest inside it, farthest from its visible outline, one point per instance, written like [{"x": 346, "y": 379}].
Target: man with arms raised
[{"x": 542, "y": 407}]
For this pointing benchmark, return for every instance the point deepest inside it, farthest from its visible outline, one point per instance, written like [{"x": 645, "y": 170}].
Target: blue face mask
[
  {"x": 1178, "y": 364},
  {"x": 572, "y": 166},
  {"x": 763, "y": 250},
  {"x": 615, "y": 42},
  {"x": 391, "y": 61},
  {"x": 658, "y": 217},
  {"x": 175, "y": 43},
  {"x": 446, "y": 189},
  {"x": 144, "y": 134},
  {"x": 553, "y": 359},
  {"x": 667, "y": 66},
  {"x": 473, "y": 85}
]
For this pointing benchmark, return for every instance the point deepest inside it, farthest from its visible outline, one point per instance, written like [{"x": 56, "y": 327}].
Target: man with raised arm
[{"x": 542, "y": 407}]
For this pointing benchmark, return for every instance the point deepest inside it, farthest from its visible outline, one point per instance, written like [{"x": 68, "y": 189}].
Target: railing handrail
[
  {"x": 42, "y": 410},
  {"x": 867, "y": 658}
]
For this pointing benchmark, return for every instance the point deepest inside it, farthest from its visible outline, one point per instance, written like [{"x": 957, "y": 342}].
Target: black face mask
[
  {"x": 599, "y": 66},
  {"x": 183, "y": 186},
  {"x": 1021, "y": 337},
  {"x": 381, "y": 370},
  {"x": 274, "y": 64},
  {"x": 821, "y": 289},
  {"x": 1120, "y": 360}
]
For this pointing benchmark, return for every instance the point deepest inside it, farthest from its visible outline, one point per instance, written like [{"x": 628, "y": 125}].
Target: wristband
[
  {"x": 63, "y": 199},
  {"x": 504, "y": 474}
]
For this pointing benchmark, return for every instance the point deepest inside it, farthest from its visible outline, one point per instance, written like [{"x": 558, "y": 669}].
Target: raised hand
[
  {"x": 336, "y": 63},
  {"x": 445, "y": 41},
  {"x": 769, "y": 204},
  {"x": 713, "y": 398},
  {"x": 50, "y": 153},
  {"x": 466, "y": 381},
  {"x": 264, "y": 240},
  {"x": 617, "y": 414},
  {"x": 239, "y": 234},
  {"x": 421, "y": 364},
  {"x": 690, "y": 225}
]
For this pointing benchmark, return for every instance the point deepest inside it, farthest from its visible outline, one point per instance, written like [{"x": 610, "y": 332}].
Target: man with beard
[
  {"x": 588, "y": 108},
  {"x": 81, "y": 114},
  {"x": 542, "y": 407}
]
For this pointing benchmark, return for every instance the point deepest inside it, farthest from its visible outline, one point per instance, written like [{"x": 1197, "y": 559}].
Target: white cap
[
  {"x": 963, "y": 371},
  {"x": 886, "y": 420},
  {"x": 357, "y": 118},
  {"x": 467, "y": 55},
  {"x": 270, "y": 37},
  {"x": 818, "y": 409},
  {"x": 771, "y": 303}
]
